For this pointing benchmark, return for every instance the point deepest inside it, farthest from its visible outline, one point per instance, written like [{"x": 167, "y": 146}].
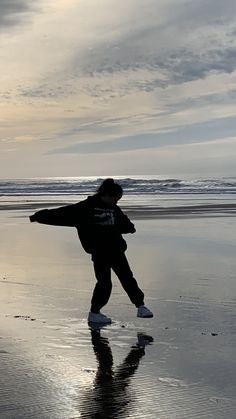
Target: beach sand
[{"x": 54, "y": 366}]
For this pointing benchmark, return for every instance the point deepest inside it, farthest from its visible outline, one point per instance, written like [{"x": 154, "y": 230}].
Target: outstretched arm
[{"x": 68, "y": 215}]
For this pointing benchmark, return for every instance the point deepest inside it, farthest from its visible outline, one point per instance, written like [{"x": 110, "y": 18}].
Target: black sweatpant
[{"x": 102, "y": 291}]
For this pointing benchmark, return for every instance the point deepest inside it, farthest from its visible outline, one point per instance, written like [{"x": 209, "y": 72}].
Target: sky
[{"x": 100, "y": 87}]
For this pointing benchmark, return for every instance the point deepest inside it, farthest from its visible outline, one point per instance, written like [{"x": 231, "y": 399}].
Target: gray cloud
[
  {"x": 192, "y": 40},
  {"x": 194, "y": 133},
  {"x": 112, "y": 126},
  {"x": 222, "y": 99},
  {"x": 99, "y": 127},
  {"x": 185, "y": 65},
  {"x": 45, "y": 91},
  {"x": 180, "y": 66},
  {"x": 176, "y": 66},
  {"x": 175, "y": 42},
  {"x": 12, "y": 11}
]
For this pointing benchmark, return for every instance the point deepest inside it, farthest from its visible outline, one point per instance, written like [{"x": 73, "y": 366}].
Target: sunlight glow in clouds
[{"x": 87, "y": 86}]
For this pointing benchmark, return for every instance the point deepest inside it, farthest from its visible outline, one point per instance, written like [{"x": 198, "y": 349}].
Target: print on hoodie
[{"x": 104, "y": 217}]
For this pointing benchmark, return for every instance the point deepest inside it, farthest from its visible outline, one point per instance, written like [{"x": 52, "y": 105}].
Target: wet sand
[
  {"x": 54, "y": 366},
  {"x": 137, "y": 212}
]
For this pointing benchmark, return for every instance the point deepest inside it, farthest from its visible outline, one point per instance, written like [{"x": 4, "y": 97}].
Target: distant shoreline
[{"x": 142, "y": 212}]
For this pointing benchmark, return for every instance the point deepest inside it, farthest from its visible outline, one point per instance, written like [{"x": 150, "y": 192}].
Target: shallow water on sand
[{"x": 54, "y": 366}]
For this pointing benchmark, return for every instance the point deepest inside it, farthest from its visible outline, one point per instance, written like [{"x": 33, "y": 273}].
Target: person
[{"x": 100, "y": 224}]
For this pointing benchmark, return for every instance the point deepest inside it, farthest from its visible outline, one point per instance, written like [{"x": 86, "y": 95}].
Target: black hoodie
[{"x": 100, "y": 227}]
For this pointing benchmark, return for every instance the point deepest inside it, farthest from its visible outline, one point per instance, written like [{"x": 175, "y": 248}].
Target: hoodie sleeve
[
  {"x": 69, "y": 216},
  {"x": 124, "y": 223}
]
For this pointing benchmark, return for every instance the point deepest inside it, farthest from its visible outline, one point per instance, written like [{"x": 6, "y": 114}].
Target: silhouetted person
[
  {"x": 100, "y": 223},
  {"x": 109, "y": 396}
]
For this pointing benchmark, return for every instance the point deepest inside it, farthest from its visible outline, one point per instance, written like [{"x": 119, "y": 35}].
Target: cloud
[
  {"x": 108, "y": 79},
  {"x": 174, "y": 66},
  {"x": 136, "y": 46},
  {"x": 175, "y": 42},
  {"x": 194, "y": 133},
  {"x": 43, "y": 91},
  {"x": 12, "y": 11}
]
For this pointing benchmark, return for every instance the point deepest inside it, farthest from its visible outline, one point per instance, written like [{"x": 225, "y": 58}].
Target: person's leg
[
  {"x": 120, "y": 266},
  {"x": 102, "y": 290}
]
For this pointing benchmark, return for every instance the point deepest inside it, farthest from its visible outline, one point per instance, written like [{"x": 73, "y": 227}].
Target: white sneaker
[
  {"x": 98, "y": 318},
  {"x": 144, "y": 312}
]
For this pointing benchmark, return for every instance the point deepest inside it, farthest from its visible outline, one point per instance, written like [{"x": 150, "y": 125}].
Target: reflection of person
[
  {"x": 109, "y": 397},
  {"x": 100, "y": 224}
]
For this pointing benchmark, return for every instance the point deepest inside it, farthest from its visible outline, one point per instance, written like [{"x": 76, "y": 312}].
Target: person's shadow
[{"x": 109, "y": 397}]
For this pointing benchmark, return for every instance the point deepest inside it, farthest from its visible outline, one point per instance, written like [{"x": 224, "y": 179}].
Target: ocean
[{"x": 139, "y": 191}]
